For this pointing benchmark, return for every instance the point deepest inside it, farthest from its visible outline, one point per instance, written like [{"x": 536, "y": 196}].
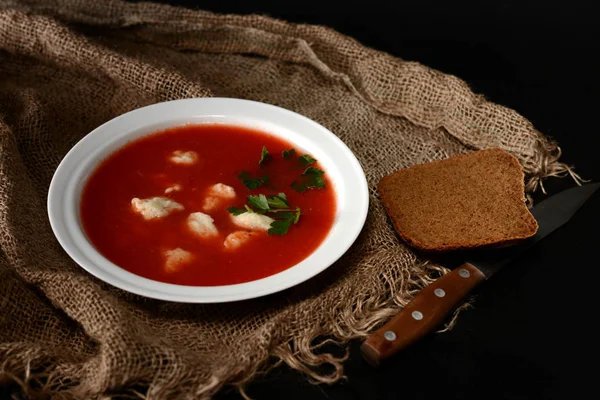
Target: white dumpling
[
  {"x": 221, "y": 190},
  {"x": 216, "y": 195},
  {"x": 254, "y": 221},
  {"x": 184, "y": 157},
  {"x": 238, "y": 238},
  {"x": 156, "y": 207},
  {"x": 177, "y": 258},
  {"x": 202, "y": 225},
  {"x": 210, "y": 203}
]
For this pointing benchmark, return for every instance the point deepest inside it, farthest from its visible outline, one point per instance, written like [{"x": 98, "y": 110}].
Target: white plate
[{"x": 340, "y": 164}]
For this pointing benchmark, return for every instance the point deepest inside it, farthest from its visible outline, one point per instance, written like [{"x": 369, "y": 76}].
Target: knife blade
[{"x": 432, "y": 305}]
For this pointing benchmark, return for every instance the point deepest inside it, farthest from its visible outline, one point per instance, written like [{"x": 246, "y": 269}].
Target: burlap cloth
[{"x": 67, "y": 66}]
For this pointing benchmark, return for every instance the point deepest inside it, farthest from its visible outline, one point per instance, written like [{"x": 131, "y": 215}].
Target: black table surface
[{"x": 530, "y": 334}]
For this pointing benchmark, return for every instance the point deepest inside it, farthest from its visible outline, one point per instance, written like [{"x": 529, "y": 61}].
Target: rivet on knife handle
[{"x": 422, "y": 315}]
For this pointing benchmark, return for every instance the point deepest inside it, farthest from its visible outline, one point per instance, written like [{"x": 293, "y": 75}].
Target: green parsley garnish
[
  {"x": 279, "y": 201},
  {"x": 306, "y": 160},
  {"x": 276, "y": 206},
  {"x": 259, "y": 202},
  {"x": 282, "y": 225},
  {"x": 265, "y": 157},
  {"x": 236, "y": 211},
  {"x": 288, "y": 153},
  {"x": 250, "y": 182},
  {"x": 312, "y": 178}
]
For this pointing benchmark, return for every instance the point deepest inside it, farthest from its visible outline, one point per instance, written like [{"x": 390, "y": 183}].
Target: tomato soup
[{"x": 208, "y": 205}]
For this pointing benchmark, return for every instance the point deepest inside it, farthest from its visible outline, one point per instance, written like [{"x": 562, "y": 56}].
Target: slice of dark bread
[{"x": 463, "y": 202}]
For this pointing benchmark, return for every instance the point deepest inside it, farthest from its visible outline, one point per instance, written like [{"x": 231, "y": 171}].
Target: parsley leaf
[
  {"x": 288, "y": 153},
  {"x": 312, "y": 178},
  {"x": 264, "y": 157},
  {"x": 260, "y": 201},
  {"x": 285, "y": 220},
  {"x": 313, "y": 171},
  {"x": 250, "y": 182},
  {"x": 278, "y": 201},
  {"x": 299, "y": 187},
  {"x": 306, "y": 160},
  {"x": 236, "y": 211},
  {"x": 281, "y": 226}
]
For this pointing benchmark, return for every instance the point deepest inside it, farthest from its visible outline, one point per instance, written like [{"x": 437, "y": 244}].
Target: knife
[{"x": 432, "y": 305}]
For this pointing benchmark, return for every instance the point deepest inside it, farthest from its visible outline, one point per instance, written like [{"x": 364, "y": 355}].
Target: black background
[{"x": 531, "y": 332}]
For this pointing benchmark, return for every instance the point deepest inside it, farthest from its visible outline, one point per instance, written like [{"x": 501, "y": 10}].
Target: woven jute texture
[{"x": 67, "y": 66}]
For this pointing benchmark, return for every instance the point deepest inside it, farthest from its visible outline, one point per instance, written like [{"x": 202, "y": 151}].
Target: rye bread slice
[{"x": 463, "y": 202}]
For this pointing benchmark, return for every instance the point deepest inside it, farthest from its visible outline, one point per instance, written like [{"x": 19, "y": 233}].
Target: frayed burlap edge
[
  {"x": 29, "y": 367},
  {"x": 34, "y": 373}
]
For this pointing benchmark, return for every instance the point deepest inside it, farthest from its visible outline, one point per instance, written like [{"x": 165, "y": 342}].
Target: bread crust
[{"x": 489, "y": 208}]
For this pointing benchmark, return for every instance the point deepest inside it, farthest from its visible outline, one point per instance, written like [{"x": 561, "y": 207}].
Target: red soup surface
[{"x": 154, "y": 238}]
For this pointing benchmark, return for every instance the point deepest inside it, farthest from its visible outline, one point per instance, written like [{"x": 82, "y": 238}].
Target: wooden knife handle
[{"x": 422, "y": 315}]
